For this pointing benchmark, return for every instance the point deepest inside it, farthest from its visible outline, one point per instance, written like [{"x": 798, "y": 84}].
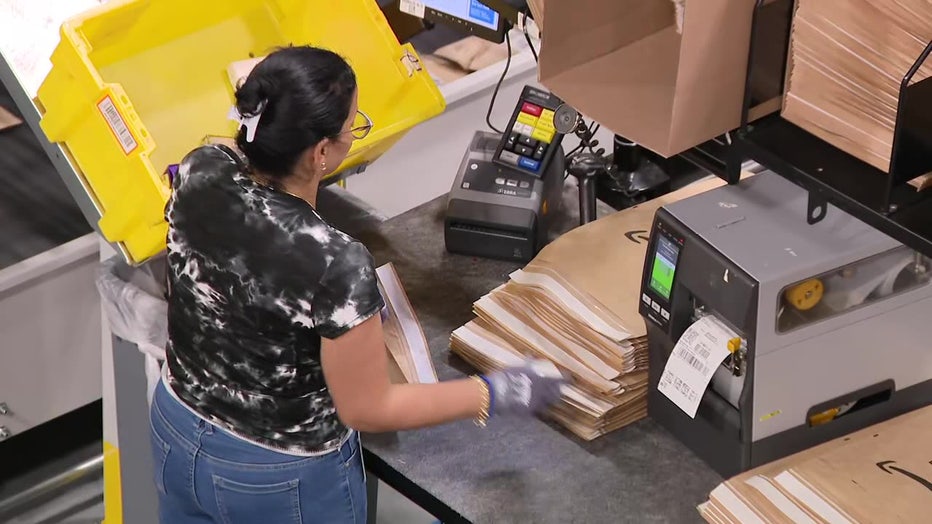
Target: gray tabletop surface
[{"x": 515, "y": 470}]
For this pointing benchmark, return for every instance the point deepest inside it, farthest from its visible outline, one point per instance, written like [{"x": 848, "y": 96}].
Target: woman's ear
[
  {"x": 310, "y": 163},
  {"x": 323, "y": 150}
]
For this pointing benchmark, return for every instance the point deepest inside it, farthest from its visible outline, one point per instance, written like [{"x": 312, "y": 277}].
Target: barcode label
[
  {"x": 117, "y": 125},
  {"x": 695, "y": 363},
  {"x": 412, "y": 7},
  {"x": 697, "y": 354}
]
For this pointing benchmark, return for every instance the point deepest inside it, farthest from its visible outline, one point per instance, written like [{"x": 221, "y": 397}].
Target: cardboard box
[{"x": 624, "y": 64}]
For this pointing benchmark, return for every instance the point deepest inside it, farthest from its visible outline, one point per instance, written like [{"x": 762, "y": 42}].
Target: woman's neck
[
  {"x": 295, "y": 185},
  {"x": 306, "y": 191}
]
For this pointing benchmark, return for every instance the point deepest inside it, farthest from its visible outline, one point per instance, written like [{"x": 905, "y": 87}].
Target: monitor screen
[
  {"x": 664, "y": 268},
  {"x": 472, "y": 11}
]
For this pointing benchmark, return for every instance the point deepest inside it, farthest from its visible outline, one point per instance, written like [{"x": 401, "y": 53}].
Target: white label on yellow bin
[
  {"x": 698, "y": 353},
  {"x": 412, "y": 7},
  {"x": 117, "y": 124}
]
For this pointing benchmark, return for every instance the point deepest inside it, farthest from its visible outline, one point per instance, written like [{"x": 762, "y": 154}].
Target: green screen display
[{"x": 664, "y": 268}]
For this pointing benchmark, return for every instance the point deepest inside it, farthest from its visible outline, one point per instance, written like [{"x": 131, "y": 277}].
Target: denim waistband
[{"x": 189, "y": 421}]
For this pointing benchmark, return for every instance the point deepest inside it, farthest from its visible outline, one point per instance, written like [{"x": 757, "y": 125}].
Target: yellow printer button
[
  {"x": 546, "y": 120},
  {"x": 528, "y": 119},
  {"x": 543, "y": 135}
]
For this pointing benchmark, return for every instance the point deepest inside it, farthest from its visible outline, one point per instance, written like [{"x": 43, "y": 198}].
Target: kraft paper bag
[
  {"x": 613, "y": 248},
  {"x": 847, "y": 60},
  {"x": 881, "y": 473}
]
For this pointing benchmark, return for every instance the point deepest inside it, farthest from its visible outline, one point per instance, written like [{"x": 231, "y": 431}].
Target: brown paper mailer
[
  {"x": 395, "y": 375},
  {"x": 596, "y": 351},
  {"x": 755, "y": 493},
  {"x": 887, "y": 478},
  {"x": 404, "y": 339},
  {"x": 862, "y": 445},
  {"x": 846, "y": 62},
  {"x": 516, "y": 332},
  {"x": 505, "y": 354},
  {"x": 622, "y": 63},
  {"x": 601, "y": 261},
  {"x": 578, "y": 304},
  {"x": 8, "y": 119},
  {"x": 585, "y": 414}
]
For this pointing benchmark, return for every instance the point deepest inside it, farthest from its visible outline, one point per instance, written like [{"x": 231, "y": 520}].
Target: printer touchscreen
[{"x": 664, "y": 266}]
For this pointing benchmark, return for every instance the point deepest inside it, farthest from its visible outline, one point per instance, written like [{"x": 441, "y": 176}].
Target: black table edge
[{"x": 407, "y": 488}]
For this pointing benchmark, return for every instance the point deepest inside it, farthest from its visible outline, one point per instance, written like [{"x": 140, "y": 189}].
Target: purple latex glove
[{"x": 524, "y": 390}]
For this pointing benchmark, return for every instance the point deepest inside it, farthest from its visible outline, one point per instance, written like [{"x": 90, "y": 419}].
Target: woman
[{"x": 276, "y": 357}]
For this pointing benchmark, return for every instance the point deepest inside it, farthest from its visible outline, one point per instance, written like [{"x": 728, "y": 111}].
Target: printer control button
[
  {"x": 645, "y": 298},
  {"x": 500, "y": 181},
  {"x": 655, "y": 306},
  {"x": 512, "y": 183},
  {"x": 539, "y": 151},
  {"x": 509, "y": 158},
  {"x": 523, "y": 129},
  {"x": 665, "y": 314},
  {"x": 531, "y": 109},
  {"x": 527, "y": 141},
  {"x": 524, "y": 185},
  {"x": 512, "y": 140},
  {"x": 527, "y": 163},
  {"x": 523, "y": 150}
]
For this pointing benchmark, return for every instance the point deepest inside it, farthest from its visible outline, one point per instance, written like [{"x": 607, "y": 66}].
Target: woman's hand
[
  {"x": 524, "y": 390},
  {"x": 356, "y": 369}
]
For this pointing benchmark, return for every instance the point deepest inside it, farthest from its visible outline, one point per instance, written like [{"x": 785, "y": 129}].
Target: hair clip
[{"x": 251, "y": 122}]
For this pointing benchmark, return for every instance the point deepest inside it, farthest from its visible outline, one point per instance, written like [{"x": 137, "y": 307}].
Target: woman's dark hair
[{"x": 305, "y": 94}]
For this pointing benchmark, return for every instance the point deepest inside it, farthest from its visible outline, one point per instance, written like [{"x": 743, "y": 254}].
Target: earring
[{"x": 323, "y": 166}]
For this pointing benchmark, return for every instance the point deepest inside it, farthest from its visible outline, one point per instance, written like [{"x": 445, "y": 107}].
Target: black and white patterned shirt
[{"x": 256, "y": 278}]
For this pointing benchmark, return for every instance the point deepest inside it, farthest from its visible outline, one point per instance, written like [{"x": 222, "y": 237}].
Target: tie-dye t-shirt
[{"x": 256, "y": 278}]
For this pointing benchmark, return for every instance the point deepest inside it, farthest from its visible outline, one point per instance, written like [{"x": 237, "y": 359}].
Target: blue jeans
[{"x": 205, "y": 475}]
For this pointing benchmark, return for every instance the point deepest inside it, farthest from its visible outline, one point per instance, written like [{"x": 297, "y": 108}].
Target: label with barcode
[
  {"x": 698, "y": 353},
  {"x": 412, "y": 7},
  {"x": 117, "y": 125}
]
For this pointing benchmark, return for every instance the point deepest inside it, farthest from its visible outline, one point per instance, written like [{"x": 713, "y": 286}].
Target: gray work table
[{"x": 515, "y": 470}]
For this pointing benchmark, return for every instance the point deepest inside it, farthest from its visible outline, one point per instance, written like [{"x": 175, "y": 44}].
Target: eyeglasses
[{"x": 362, "y": 124}]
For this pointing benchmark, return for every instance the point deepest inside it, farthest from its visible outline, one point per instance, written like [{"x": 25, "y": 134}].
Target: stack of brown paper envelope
[
  {"x": 882, "y": 473},
  {"x": 847, "y": 59},
  {"x": 576, "y": 305}
]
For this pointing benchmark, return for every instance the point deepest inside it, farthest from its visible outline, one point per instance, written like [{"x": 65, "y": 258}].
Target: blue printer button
[{"x": 527, "y": 163}]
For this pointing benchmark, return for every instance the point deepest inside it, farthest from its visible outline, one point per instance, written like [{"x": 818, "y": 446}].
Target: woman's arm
[{"x": 356, "y": 369}]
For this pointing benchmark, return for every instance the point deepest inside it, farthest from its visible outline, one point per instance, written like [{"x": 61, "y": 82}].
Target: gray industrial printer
[{"x": 832, "y": 321}]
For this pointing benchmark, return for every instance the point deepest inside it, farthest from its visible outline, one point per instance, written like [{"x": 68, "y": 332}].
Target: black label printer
[
  {"x": 509, "y": 187},
  {"x": 830, "y": 321}
]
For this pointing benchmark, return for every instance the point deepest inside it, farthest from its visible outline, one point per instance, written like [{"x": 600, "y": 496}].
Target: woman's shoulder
[{"x": 209, "y": 160}]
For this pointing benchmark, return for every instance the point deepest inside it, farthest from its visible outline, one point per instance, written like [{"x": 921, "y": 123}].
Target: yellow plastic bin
[{"x": 136, "y": 84}]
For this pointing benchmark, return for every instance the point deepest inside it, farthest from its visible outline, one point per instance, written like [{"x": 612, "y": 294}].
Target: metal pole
[{"x": 51, "y": 486}]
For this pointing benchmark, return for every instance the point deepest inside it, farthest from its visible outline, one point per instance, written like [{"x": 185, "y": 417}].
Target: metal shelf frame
[{"x": 885, "y": 201}]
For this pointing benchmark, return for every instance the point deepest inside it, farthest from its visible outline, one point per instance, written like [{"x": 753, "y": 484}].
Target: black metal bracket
[
  {"x": 816, "y": 209},
  {"x": 912, "y": 135}
]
